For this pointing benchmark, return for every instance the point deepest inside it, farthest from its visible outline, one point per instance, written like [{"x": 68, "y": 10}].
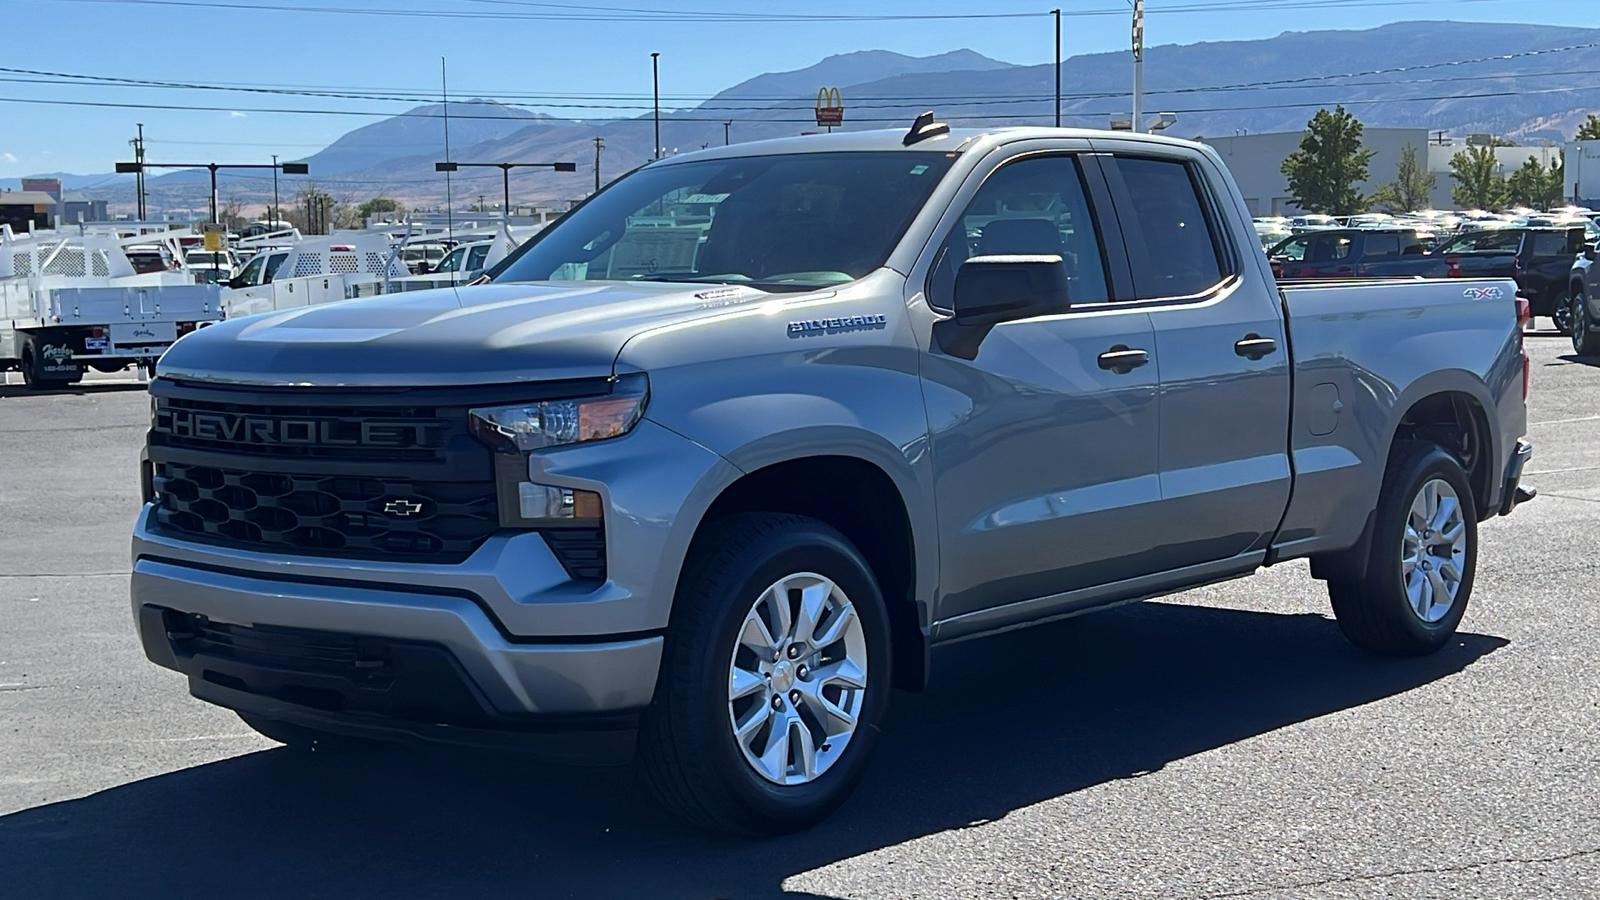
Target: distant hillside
[{"x": 421, "y": 130}]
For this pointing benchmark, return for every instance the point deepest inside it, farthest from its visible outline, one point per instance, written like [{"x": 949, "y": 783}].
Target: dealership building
[{"x": 1256, "y": 161}]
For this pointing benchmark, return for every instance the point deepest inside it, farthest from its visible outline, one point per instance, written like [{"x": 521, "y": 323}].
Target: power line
[{"x": 68, "y": 78}]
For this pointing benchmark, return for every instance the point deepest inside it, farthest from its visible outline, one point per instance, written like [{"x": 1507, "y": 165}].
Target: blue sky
[{"x": 390, "y": 51}]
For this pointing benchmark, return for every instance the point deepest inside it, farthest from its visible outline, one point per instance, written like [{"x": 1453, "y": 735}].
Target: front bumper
[
  {"x": 1514, "y": 493},
  {"x": 381, "y": 660}
]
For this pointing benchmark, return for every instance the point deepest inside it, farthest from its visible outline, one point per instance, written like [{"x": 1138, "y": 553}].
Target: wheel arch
[
  {"x": 865, "y": 503},
  {"x": 1451, "y": 410}
]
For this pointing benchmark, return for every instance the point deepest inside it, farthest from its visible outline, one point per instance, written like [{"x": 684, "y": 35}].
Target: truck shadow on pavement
[{"x": 1009, "y": 722}]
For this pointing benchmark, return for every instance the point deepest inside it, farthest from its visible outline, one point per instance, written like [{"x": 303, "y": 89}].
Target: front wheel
[
  {"x": 775, "y": 679},
  {"x": 1424, "y": 555},
  {"x": 1561, "y": 314},
  {"x": 1584, "y": 341}
]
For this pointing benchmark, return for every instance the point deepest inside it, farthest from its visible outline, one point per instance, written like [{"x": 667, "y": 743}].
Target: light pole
[
  {"x": 655, "y": 82},
  {"x": 274, "y": 192},
  {"x": 1138, "y": 66},
  {"x": 727, "y": 129},
  {"x": 1057, "y": 14},
  {"x": 505, "y": 172},
  {"x": 599, "y": 144},
  {"x": 138, "y": 168}
]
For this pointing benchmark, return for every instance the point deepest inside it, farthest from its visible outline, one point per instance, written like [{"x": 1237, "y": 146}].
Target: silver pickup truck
[{"x": 711, "y": 465}]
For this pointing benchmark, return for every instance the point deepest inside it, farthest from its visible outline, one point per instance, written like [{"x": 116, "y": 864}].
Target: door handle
[
  {"x": 1254, "y": 346},
  {"x": 1122, "y": 360}
]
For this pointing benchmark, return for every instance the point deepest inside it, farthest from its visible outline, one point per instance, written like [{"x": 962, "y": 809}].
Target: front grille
[
  {"x": 363, "y": 517},
  {"x": 267, "y": 645},
  {"x": 305, "y": 431}
]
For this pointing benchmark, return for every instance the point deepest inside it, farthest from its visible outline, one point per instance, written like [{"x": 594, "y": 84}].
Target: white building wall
[
  {"x": 1583, "y": 173},
  {"x": 1256, "y": 161}
]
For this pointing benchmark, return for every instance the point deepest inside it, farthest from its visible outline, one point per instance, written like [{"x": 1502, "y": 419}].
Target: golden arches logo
[{"x": 830, "y": 108}]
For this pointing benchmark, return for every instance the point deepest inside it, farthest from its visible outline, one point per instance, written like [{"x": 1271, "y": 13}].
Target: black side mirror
[{"x": 990, "y": 290}]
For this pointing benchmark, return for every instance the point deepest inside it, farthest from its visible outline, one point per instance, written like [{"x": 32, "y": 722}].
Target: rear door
[{"x": 1222, "y": 358}]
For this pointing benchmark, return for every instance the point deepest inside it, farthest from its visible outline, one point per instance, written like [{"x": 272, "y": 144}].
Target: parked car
[
  {"x": 711, "y": 490},
  {"x": 1541, "y": 262},
  {"x": 1356, "y": 253}
]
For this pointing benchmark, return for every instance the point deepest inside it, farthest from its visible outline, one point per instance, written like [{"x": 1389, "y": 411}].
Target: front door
[{"x": 1043, "y": 452}]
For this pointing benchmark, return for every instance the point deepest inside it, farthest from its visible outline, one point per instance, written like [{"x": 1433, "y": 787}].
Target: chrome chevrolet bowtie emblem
[{"x": 402, "y": 508}]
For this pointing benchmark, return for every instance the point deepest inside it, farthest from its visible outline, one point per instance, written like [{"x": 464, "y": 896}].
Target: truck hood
[{"x": 488, "y": 334}]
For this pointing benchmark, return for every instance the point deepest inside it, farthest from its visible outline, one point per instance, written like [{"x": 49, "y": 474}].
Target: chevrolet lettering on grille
[{"x": 287, "y": 431}]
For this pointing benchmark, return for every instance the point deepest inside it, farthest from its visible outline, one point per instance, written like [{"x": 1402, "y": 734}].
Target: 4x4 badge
[{"x": 402, "y": 508}]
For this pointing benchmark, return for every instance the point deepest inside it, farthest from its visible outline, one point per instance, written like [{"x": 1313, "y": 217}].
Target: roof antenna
[{"x": 923, "y": 128}]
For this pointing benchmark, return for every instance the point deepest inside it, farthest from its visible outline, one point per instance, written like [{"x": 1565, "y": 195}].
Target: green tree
[
  {"x": 1412, "y": 187},
  {"x": 1536, "y": 186},
  {"x": 1331, "y": 161},
  {"x": 1479, "y": 184},
  {"x": 1590, "y": 129},
  {"x": 378, "y": 205}
]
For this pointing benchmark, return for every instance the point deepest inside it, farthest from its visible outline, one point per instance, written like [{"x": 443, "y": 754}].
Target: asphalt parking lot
[{"x": 1226, "y": 742}]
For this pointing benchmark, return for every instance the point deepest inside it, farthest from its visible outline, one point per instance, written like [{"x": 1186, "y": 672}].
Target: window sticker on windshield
[{"x": 918, "y": 170}]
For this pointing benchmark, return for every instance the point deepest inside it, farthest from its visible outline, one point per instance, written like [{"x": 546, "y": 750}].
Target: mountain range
[{"x": 1525, "y": 82}]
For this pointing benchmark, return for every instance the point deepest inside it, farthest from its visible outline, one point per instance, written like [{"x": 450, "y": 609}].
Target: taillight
[
  {"x": 1524, "y": 311},
  {"x": 97, "y": 332},
  {"x": 1516, "y": 266},
  {"x": 1455, "y": 266},
  {"x": 184, "y": 328}
]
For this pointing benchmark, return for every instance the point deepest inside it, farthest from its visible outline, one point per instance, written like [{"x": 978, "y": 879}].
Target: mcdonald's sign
[{"x": 830, "y": 109}]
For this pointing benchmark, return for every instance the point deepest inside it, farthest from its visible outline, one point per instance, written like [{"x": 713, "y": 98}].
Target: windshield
[
  {"x": 453, "y": 261},
  {"x": 794, "y": 222}
]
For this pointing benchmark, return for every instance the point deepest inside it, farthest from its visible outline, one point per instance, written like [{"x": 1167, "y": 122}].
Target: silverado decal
[{"x": 833, "y": 326}]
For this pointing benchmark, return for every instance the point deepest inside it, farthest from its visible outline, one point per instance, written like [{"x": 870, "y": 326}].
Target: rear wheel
[
  {"x": 1423, "y": 559},
  {"x": 33, "y": 377},
  {"x": 775, "y": 680},
  {"x": 1584, "y": 341}
]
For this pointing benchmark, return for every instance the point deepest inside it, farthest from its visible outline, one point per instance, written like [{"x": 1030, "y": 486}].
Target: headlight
[
  {"x": 515, "y": 431},
  {"x": 552, "y": 423}
]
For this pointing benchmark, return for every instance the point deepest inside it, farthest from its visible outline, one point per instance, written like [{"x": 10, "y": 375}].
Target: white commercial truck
[
  {"x": 69, "y": 302},
  {"x": 311, "y": 271}
]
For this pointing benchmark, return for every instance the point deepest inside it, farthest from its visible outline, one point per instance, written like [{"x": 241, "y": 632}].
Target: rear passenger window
[
  {"x": 1175, "y": 249},
  {"x": 1035, "y": 206},
  {"x": 1381, "y": 245},
  {"x": 1550, "y": 243}
]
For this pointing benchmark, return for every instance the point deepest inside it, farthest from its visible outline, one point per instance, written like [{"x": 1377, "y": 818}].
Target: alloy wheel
[
  {"x": 798, "y": 679},
  {"x": 1434, "y": 550}
]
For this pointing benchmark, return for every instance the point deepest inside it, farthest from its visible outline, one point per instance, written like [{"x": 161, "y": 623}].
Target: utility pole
[
  {"x": 138, "y": 180},
  {"x": 1057, "y": 14},
  {"x": 274, "y": 192},
  {"x": 655, "y": 81},
  {"x": 599, "y": 144},
  {"x": 726, "y": 131},
  {"x": 1138, "y": 66}
]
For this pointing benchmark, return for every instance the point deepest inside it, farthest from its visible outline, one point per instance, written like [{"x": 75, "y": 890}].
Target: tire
[
  {"x": 1561, "y": 314},
  {"x": 1585, "y": 343},
  {"x": 693, "y": 761},
  {"x": 301, "y": 738},
  {"x": 32, "y": 378},
  {"x": 1378, "y": 613}
]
